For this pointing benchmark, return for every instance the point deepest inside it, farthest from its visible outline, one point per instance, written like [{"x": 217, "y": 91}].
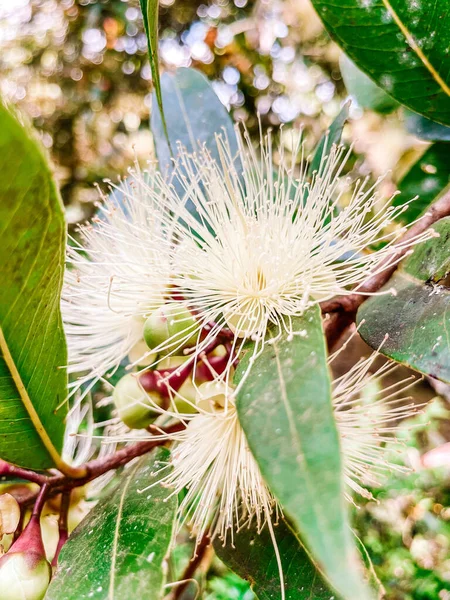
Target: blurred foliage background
[{"x": 79, "y": 70}]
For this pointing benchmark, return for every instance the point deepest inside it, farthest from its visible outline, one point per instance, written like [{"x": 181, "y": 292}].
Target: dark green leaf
[
  {"x": 285, "y": 409},
  {"x": 118, "y": 551},
  {"x": 366, "y": 92},
  {"x": 252, "y": 557},
  {"x": 427, "y": 178},
  {"x": 32, "y": 233},
  {"x": 194, "y": 115},
  {"x": 331, "y": 136},
  {"x": 149, "y": 10},
  {"x": 402, "y": 46},
  {"x": 425, "y": 128},
  {"x": 417, "y": 319}
]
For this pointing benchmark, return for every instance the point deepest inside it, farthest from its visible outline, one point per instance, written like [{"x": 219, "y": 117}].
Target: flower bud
[
  {"x": 134, "y": 405},
  {"x": 24, "y": 571},
  {"x": 171, "y": 321},
  {"x": 24, "y": 576},
  {"x": 138, "y": 355},
  {"x": 212, "y": 395},
  {"x": 9, "y": 514},
  {"x": 244, "y": 324}
]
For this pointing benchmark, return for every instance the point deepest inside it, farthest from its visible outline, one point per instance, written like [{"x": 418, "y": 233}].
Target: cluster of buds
[
  {"x": 181, "y": 381},
  {"x": 24, "y": 570}
]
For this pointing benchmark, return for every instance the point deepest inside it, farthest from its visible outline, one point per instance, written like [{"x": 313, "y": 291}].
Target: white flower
[
  {"x": 263, "y": 248},
  {"x": 225, "y": 489},
  {"x": 267, "y": 246},
  {"x": 115, "y": 278}
]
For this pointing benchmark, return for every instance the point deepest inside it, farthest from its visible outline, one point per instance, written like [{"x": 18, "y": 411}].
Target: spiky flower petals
[
  {"x": 116, "y": 277},
  {"x": 225, "y": 489},
  {"x": 269, "y": 245},
  {"x": 367, "y": 414}
]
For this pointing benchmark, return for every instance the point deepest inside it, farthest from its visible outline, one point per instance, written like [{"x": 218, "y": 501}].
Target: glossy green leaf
[
  {"x": 285, "y": 409},
  {"x": 252, "y": 557},
  {"x": 417, "y": 319},
  {"x": 428, "y": 178},
  {"x": 426, "y": 129},
  {"x": 150, "y": 10},
  {"x": 118, "y": 551},
  {"x": 32, "y": 233},
  {"x": 402, "y": 45},
  {"x": 194, "y": 114},
  {"x": 365, "y": 91},
  {"x": 331, "y": 136}
]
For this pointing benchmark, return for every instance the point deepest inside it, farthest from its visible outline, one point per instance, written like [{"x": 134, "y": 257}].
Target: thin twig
[
  {"x": 194, "y": 563},
  {"x": 95, "y": 468}
]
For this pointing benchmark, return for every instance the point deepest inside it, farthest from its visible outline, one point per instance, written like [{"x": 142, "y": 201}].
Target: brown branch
[
  {"x": 342, "y": 309},
  {"x": 194, "y": 563},
  {"x": 8, "y": 470},
  {"x": 59, "y": 483}
]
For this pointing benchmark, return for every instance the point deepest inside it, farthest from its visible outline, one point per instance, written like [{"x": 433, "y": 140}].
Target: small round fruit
[
  {"x": 134, "y": 405},
  {"x": 171, "y": 321}
]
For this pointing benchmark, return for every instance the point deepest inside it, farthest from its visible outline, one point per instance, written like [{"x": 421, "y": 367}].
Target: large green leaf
[
  {"x": 33, "y": 348},
  {"x": 365, "y": 91},
  {"x": 118, "y": 552},
  {"x": 428, "y": 178},
  {"x": 252, "y": 557},
  {"x": 417, "y": 319},
  {"x": 402, "y": 45},
  {"x": 195, "y": 116},
  {"x": 285, "y": 409}
]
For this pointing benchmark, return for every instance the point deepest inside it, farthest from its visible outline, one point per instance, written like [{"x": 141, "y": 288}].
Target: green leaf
[
  {"x": 150, "y": 10},
  {"x": 285, "y": 409},
  {"x": 194, "y": 115},
  {"x": 417, "y": 319},
  {"x": 366, "y": 93},
  {"x": 331, "y": 136},
  {"x": 426, "y": 129},
  {"x": 33, "y": 347},
  {"x": 118, "y": 551},
  {"x": 402, "y": 46},
  {"x": 428, "y": 178},
  {"x": 252, "y": 557}
]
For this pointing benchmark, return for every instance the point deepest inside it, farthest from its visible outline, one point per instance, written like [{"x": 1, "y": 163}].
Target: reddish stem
[
  {"x": 63, "y": 528},
  {"x": 194, "y": 563}
]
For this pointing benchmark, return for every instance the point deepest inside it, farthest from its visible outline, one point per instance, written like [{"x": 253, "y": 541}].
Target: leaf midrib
[{"x": 415, "y": 46}]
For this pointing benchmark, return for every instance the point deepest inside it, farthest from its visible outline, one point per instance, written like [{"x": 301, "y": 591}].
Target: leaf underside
[
  {"x": 417, "y": 319},
  {"x": 253, "y": 558},
  {"x": 285, "y": 409}
]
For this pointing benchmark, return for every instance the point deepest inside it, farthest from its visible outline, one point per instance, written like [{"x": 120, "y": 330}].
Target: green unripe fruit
[
  {"x": 171, "y": 321},
  {"x": 24, "y": 576},
  {"x": 140, "y": 355},
  {"x": 133, "y": 403}
]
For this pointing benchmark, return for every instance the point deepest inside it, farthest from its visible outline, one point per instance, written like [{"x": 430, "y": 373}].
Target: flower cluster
[{"x": 173, "y": 284}]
